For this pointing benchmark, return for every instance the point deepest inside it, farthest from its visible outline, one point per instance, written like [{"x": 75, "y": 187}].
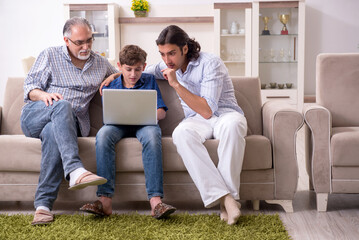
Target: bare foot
[
  {"x": 230, "y": 209},
  {"x": 223, "y": 215},
  {"x": 154, "y": 201},
  {"x": 106, "y": 204}
]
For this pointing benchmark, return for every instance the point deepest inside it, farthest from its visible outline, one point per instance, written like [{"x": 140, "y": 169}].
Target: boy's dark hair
[
  {"x": 175, "y": 35},
  {"x": 131, "y": 55}
]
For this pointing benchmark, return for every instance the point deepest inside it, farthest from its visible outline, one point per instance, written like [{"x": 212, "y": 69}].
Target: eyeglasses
[{"x": 80, "y": 43}]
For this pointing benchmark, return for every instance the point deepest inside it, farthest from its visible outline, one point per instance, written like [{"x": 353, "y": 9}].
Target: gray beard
[{"x": 79, "y": 56}]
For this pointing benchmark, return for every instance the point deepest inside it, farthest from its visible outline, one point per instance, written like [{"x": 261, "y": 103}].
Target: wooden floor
[{"x": 341, "y": 221}]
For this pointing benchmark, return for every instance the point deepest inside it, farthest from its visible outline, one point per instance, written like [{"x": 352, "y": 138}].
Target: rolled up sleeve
[
  {"x": 38, "y": 76},
  {"x": 212, "y": 83}
]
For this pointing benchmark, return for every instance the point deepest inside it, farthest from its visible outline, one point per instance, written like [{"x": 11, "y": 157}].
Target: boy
[{"x": 132, "y": 63}]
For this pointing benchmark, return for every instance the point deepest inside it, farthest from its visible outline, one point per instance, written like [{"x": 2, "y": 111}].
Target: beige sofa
[
  {"x": 333, "y": 121},
  {"x": 270, "y": 170}
]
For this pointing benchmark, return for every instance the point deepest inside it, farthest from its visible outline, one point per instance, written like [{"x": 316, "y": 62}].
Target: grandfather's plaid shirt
[{"x": 53, "y": 72}]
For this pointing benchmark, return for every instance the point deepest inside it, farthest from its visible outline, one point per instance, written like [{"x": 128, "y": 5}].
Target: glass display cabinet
[
  {"x": 278, "y": 49},
  {"x": 266, "y": 39},
  {"x": 103, "y": 19},
  {"x": 232, "y": 26}
]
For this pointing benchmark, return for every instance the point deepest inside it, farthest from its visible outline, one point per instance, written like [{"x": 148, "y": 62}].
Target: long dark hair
[{"x": 175, "y": 35}]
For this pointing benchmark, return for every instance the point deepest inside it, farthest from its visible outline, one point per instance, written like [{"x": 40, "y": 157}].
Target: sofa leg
[
  {"x": 255, "y": 204},
  {"x": 322, "y": 202},
  {"x": 287, "y": 205}
]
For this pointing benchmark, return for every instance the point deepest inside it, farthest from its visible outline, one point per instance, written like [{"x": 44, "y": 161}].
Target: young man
[
  {"x": 211, "y": 111},
  {"x": 58, "y": 91},
  {"x": 132, "y": 63}
]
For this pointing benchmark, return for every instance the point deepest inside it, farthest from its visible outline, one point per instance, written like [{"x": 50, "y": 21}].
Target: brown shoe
[
  {"x": 42, "y": 217},
  {"x": 94, "y": 208},
  {"x": 87, "y": 179},
  {"x": 163, "y": 210}
]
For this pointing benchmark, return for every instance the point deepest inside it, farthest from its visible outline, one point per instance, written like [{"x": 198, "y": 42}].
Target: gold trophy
[
  {"x": 284, "y": 18},
  {"x": 266, "y": 20}
]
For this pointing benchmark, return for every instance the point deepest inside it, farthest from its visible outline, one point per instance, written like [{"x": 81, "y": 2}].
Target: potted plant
[{"x": 140, "y": 7}]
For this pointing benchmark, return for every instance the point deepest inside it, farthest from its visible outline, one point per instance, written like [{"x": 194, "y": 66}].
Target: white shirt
[{"x": 206, "y": 77}]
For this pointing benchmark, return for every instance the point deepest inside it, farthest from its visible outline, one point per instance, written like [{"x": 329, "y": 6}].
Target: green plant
[{"x": 140, "y": 5}]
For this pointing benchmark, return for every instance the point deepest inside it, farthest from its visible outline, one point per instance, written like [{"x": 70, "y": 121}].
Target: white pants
[{"x": 213, "y": 182}]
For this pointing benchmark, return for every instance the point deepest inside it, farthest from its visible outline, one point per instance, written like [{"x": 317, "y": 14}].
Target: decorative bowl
[
  {"x": 289, "y": 85},
  {"x": 273, "y": 85}
]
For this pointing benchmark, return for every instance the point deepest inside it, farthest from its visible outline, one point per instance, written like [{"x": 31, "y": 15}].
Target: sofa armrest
[
  {"x": 281, "y": 123},
  {"x": 0, "y": 118},
  {"x": 318, "y": 120}
]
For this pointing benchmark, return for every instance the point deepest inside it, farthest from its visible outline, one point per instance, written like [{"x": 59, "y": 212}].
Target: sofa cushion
[
  {"x": 20, "y": 153},
  {"x": 13, "y": 102},
  {"x": 175, "y": 113},
  {"x": 129, "y": 154},
  {"x": 247, "y": 92},
  {"x": 344, "y": 146},
  {"x": 248, "y": 95}
]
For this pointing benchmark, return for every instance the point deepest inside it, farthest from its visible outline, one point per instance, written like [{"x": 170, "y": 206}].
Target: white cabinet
[
  {"x": 232, "y": 26},
  {"x": 276, "y": 57},
  {"x": 104, "y": 22}
]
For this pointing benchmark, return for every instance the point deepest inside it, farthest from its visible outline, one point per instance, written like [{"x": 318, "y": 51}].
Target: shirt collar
[
  {"x": 192, "y": 63},
  {"x": 66, "y": 53},
  {"x": 68, "y": 58},
  {"x": 138, "y": 84}
]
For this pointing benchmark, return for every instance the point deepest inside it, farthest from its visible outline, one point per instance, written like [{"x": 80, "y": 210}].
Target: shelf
[
  {"x": 286, "y": 4},
  {"x": 88, "y": 7},
  {"x": 278, "y": 89},
  {"x": 281, "y": 62},
  {"x": 234, "y": 61},
  {"x": 232, "y": 5},
  {"x": 131, "y": 20},
  {"x": 233, "y": 35},
  {"x": 279, "y": 35}
]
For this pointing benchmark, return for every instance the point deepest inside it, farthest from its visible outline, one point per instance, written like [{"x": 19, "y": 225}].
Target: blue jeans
[
  {"x": 57, "y": 127},
  {"x": 150, "y": 138}
]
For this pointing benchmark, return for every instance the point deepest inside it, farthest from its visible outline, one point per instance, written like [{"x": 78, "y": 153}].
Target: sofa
[
  {"x": 333, "y": 123},
  {"x": 270, "y": 169}
]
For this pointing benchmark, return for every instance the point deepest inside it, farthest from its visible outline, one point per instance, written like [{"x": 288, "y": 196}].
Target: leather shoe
[
  {"x": 87, "y": 179},
  {"x": 42, "y": 217}
]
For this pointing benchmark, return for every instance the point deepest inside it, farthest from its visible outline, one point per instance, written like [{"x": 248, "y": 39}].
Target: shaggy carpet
[{"x": 138, "y": 226}]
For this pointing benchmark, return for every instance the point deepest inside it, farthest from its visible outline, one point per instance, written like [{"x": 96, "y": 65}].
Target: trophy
[
  {"x": 284, "y": 18},
  {"x": 266, "y": 20}
]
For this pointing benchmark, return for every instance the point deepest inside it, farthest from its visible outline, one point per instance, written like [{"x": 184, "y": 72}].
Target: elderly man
[{"x": 58, "y": 91}]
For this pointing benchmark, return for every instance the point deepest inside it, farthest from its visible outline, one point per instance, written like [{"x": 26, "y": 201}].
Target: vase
[{"x": 140, "y": 13}]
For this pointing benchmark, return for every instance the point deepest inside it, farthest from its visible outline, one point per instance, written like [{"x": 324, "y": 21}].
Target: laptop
[{"x": 129, "y": 107}]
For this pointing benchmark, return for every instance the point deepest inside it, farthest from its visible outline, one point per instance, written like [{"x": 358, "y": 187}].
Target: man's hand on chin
[{"x": 170, "y": 75}]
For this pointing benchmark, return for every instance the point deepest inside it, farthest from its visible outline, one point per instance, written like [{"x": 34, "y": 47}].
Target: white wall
[
  {"x": 332, "y": 26},
  {"x": 27, "y": 27}
]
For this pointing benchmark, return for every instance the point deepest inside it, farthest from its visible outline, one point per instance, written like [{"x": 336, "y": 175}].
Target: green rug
[{"x": 137, "y": 226}]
